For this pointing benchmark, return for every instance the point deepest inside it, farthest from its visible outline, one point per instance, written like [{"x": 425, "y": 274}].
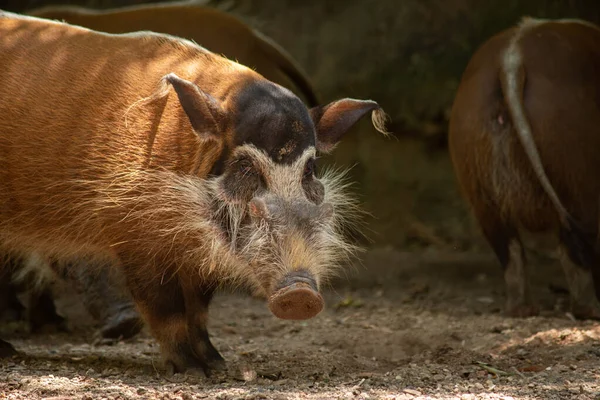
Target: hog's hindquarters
[{"x": 494, "y": 171}]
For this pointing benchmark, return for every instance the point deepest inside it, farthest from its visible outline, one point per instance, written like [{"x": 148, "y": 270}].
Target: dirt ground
[{"x": 424, "y": 325}]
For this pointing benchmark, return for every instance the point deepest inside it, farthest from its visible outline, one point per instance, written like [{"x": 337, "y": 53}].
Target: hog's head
[{"x": 280, "y": 217}]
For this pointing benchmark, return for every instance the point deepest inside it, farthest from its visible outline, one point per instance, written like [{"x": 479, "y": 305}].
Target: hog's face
[{"x": 281, "y": 220}]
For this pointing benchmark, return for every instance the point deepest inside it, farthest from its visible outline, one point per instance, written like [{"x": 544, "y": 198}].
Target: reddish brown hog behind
[
  {"x": 213, "y": 29},
  {"x": 187, "y": 170},
  {"x": 523, "y": 139}
]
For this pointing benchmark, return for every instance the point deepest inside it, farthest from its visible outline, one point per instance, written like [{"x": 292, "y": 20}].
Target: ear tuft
[
  {"x": 333, "y": 120},
  {"x": 380, "y": 119},
  {"x": 204, "y": 111}
]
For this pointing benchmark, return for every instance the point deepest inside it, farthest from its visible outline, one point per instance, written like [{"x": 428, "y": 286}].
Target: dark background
[{"x": 407, "y": 55}]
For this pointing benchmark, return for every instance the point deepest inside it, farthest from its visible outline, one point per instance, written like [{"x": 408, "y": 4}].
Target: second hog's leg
[
  {"x": 11, "y": 308},
  {"x": 506, "y": 243},
  {"x": 41, "y": 313},
  {"x": 106, "y": 299}
]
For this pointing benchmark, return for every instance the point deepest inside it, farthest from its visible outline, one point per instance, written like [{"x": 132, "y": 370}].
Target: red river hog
[
  {"x": 187, "y": 170},
  {"x": 524, "y": 132}
]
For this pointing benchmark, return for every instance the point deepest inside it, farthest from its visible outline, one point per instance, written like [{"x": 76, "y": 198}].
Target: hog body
[
  {"x": 185, "y": 169},
  {"x": 523, "y": 137},
  {"x": 215, "y": 30}
]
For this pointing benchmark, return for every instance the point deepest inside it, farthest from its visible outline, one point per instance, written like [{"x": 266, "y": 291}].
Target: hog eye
[
  {"x": 309, "y": 169},
  {"x": 245, "y": 167}
]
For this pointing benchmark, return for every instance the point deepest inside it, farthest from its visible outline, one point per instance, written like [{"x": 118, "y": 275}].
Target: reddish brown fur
[
  {"x": 560, "y": 76},
  {"x": 213, "y": 29}
]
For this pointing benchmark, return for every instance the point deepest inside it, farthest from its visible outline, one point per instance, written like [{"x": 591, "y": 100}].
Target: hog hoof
[
  {"x": 211, "y": 359},
  {"x": 42, "y": 315},
  {"x": 522, "y": 311},
  {"x": 7, "y": 350},
  {"x": 216, "y": 364},
  {"x": 173, "y": 368},
  {"x": 188, "y": 362},
  {"x": 124, "y": 325},
  {"x": 196, "y": 372}
]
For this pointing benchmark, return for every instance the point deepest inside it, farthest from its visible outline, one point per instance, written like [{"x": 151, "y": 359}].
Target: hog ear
[
  {"x": 204, "y": 111},
  {"x": 333, "y": 120}
]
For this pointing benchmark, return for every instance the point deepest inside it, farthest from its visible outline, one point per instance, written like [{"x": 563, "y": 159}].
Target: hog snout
[
  {"x": 291, "y": 211},
  {"x": 296, "y": 297}
]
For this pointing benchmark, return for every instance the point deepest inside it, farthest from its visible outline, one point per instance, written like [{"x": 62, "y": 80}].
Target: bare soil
[{"x": 422, "y": 325}]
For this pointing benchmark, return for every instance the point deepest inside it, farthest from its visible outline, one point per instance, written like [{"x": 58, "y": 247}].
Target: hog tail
[{"x": 513, "y": 79}]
